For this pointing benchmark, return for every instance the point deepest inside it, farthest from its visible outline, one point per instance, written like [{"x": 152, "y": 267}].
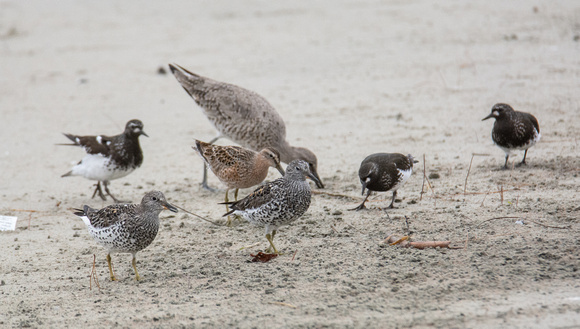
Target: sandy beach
[{"x": 350, "y": 79}]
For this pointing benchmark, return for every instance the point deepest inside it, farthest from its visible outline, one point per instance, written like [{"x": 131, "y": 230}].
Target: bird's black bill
[
  {"x": 488, "y": 117},
  {"x": 280, "y": 170},
  {"x": 169, "y": 207},
  {"x": 315, "y": 179}
]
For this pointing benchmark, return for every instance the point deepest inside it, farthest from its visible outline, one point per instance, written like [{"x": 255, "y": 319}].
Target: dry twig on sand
[
  {"x": 523, "y": 219},
  {"x": 93, "y": 276},
  {"x": 405, "y": 243},
  {"x": 469, "y": 170},
  {"x": 336, "y": 195}
]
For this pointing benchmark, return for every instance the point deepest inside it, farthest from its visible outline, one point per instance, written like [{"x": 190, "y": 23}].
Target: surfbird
[
  {"x": 277, "y": 203},
  {"x": 243, "y": 116},
  {"x": 382, "y": 172},
  {"x": 126, "y": 228},
  {"x": 238, "y": 167},
  {"x": 513, "y": 130},
  {"x": 107, "y": 157}
]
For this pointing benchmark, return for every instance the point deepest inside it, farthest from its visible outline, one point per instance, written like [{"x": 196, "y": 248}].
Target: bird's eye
[{"x": 154, "y": 198}]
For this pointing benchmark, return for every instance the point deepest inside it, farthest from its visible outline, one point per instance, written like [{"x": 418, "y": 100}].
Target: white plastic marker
[{"x": 8, "y": 223}]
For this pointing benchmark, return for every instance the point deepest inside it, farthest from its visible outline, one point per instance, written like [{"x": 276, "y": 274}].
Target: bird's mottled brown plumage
[{"x": 238, "y": 167}]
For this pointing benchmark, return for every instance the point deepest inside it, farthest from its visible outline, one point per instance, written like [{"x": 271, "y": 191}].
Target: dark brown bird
[
  {"x": 383, "y": 172},
  {"x": 513, "y": 130}
]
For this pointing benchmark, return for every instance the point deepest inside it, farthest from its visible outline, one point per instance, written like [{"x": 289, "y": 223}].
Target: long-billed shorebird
[{"x": 243, "y": 116}]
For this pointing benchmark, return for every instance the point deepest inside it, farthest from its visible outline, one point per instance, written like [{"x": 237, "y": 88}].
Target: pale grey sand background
[{"x": 350, "y": 79}]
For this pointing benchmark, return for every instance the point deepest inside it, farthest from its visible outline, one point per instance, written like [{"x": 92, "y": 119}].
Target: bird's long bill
[
  {"x": 315, "y": 179},
  {"x": 364, "y": 186},
  {"x": 169, "y": 207},
  {"x": 488, "y": 117},
  {"x": 280, "y": 170},
  {"x": 144, "y": 134}
]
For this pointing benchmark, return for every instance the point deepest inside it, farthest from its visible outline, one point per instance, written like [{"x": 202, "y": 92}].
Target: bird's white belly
[
  {"x": 526, "y": 146},
  {"x": 405, "y": 174},
  {"x": 98, "y": 167}
]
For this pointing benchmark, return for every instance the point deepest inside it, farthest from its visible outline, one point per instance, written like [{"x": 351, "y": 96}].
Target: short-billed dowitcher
[{"x": 238, "y": 167}]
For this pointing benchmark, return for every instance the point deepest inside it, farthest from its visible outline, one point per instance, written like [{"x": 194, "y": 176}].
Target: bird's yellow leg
[
  {"x": 236, "y": 217},
  {"x": 110, "y": 268},
  {"x": 229, "y": 221},
  {"x": 137, "y": 277},
  {"x": 270, "y": 239}
]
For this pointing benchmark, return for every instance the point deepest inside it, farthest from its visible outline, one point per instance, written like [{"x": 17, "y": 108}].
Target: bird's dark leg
[
  {"x": 391, "y": 206},
  {"x": 106, "y": 184},
  {"x": 98, "y": 189},
  {"x": 204, "y": 181},
  {"x": 523, "y": 163},
  {"x": 111, "y": 268},
  {"x": 362, "y": 205},
  {"x": 507, "y": 156}
]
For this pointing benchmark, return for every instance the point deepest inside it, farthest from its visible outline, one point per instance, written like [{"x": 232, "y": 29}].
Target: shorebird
[
  {"x": 243, "y": 116},
  {"x": 277, "y": 203},
  {"x": 238, "y": 167},
  {"x": 108, "y": 158},
  {"x": 126, "y": 228},
  {"x": 513, "y": 130},
  {"x": 383, "y": 172}
]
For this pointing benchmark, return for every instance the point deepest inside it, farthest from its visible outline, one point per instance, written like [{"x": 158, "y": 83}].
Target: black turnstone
[
  {"x": 513, "y": 130},
  {"x": 109, "y": 158},
  {"x": 243, "y": 116},
  {"x": 382, "y": 172},
  {"x": 126, "y": 228},
  {"x": 279, "y": 202}
]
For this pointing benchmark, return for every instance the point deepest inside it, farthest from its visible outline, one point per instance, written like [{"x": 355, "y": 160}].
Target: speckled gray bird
[
  {"x": 513, "y": 130},
  {"x": 383, "y": 172},
  {"x": 126, "y": 228},
  {"x": 243, "y": 116},
  {"x": 279, "y": 202}
]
